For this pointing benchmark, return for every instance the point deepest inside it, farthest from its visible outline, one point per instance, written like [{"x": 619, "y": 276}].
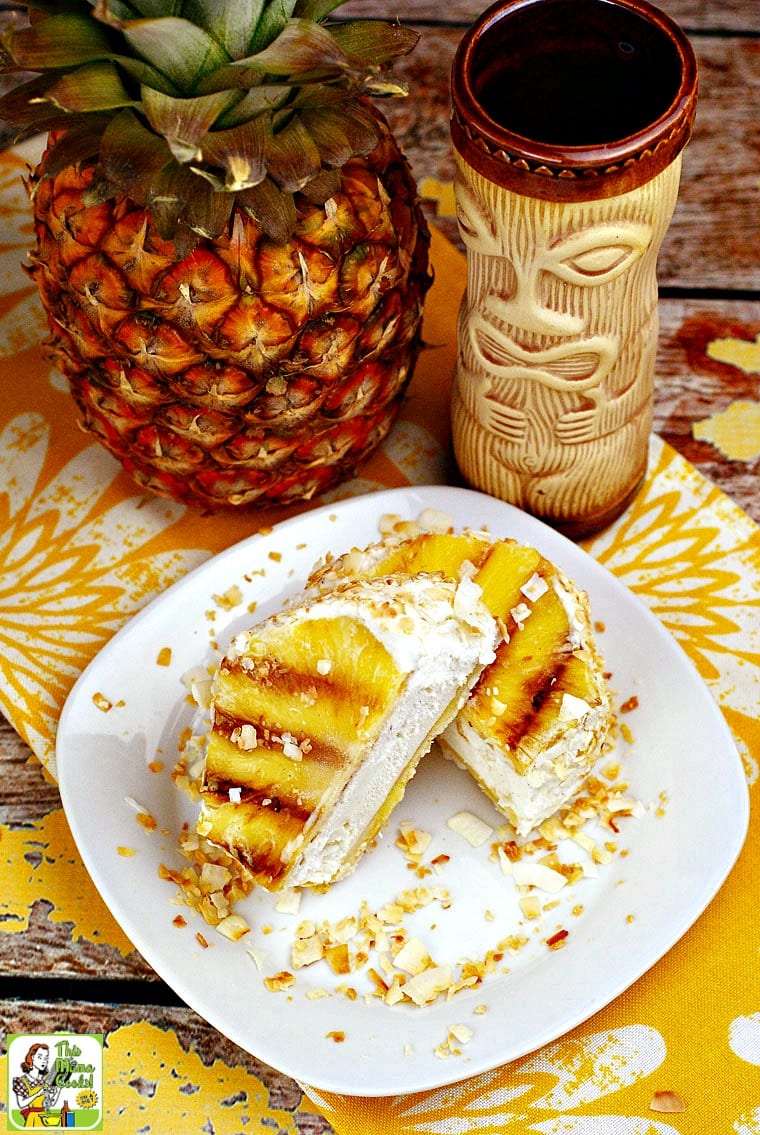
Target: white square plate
[{"x": 682, "y": 765}]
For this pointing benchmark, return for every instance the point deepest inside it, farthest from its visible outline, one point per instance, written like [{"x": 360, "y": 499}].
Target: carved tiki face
[{"x": 559, "y": 294}]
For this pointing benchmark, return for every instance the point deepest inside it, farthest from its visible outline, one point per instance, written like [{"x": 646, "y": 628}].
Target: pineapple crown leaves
[{"x": 189, "y": 106}]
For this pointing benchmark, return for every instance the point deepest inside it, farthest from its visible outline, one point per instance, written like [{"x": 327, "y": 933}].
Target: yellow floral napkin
[{"x": 82, "y": 549}]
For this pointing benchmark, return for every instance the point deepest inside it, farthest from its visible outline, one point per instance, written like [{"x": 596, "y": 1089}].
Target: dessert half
[
  {"x": 540, "y": 714},
  {"x": 322, "y": 713}
]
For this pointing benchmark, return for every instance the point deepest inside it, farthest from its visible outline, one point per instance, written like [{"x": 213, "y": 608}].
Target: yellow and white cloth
[{"x": 81, "y": 549}]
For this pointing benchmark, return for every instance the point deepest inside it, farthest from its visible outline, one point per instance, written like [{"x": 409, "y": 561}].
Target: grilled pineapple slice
[
  {"x": 322, "y": 713},
  {"x": 539, "y": 716}
]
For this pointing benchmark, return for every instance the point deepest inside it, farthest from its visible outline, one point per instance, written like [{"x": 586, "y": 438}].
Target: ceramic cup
[{"x": 568, "y": 122}]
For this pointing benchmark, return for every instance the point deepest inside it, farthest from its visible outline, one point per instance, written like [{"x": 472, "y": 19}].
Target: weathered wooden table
[{"x": 709, "y": 274}]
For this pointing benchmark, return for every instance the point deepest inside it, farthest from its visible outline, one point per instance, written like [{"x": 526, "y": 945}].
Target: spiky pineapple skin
[{"x": 249, "y": 371}]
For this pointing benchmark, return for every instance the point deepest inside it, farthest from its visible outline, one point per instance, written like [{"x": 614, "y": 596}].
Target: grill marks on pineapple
[
  {"x": 322, "y": 685},
  {"x": 522, "y": 690},
  {"x": 520, "y": 694},
  {"x": 267, "y": 778},
  {"x": 539, "y": 697},
  {"x": 259, "y": 835}
]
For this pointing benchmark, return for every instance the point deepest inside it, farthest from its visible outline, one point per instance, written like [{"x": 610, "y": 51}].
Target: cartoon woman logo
[{"x": 35, "y": 1089}]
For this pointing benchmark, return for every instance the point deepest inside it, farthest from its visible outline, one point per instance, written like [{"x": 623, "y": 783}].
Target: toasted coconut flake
[
  {"x": 387, "y": 523},
  {"x": 279, "y": 981},
  {"x": 292, "y": 751},
  {"x": 344, "y": 930},
  {"x": 306, "y": 951},
  {"x": 258, "y": 957},
  {"x": 414, "y": 842},
  {"x": 530, "y": 906},
  {"x": 521, "y": 613},
  {"x": 245, "y": 737},
  {"x": 413, "y": 957},
  {"x": 395, "y": 992},
  {"x": 625, "y": 805},
  {"x": 201, "y": 693},
  {"x": 667, "y": 1102},
  {"x": 474, "y": 830},
  {"x": 584, "y": 840},
  {"x": 553, "y": 830},
  {"x": 198, "y": 681},
  {"x": 462, "y": 1034},
  {"x": 234, "y": 927},
  {"x": 232, "y": 597},
  {"x": 514, "y": 943},
  {"x": 534, "y": 588},
  {"x": 391, "y": 913},
  {"x": 467, "y": 597},
  {"x": 432, "y": 520},
  {"x": 288, "y": 902},
  {"x": 424, "y": 987},
  {"x": 338, "y": 958},
  {"x": 527, "y": 874},
  {"x": 214, "y": 877}
]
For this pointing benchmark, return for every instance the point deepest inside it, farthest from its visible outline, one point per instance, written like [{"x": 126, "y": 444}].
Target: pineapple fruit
[{"x": 229, "y": 245}]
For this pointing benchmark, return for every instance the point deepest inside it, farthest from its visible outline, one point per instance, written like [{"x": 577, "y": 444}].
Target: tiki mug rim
[{"x": 553, "y": 170}]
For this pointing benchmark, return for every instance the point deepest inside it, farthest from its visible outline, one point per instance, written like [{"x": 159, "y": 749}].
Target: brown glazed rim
[{"x": 569, "y": 173}]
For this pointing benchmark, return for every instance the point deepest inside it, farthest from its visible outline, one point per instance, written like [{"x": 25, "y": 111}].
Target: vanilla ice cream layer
[
  {"x": 556, "y": 775},
  {"x": 432, "y": 696}
]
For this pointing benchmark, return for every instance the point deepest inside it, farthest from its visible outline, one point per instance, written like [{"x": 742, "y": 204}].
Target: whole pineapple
[{"x": 230, "y": 249}]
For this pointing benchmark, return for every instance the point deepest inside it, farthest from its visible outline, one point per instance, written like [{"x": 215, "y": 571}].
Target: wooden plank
[
  {"x": 693, "y": 15},
  {"x": 696, "y": 379}
]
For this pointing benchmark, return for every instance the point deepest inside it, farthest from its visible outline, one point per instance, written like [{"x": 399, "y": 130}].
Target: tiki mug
[{"x": 568, "y": 122}]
